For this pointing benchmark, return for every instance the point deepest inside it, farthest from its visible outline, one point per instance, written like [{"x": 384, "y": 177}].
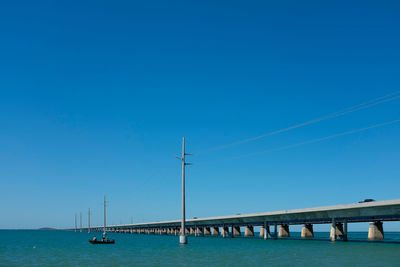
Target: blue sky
[{"x": 96, "y": 96}]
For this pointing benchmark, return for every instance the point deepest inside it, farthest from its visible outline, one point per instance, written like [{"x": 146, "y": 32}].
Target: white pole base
[{"x": 182, "y": 239}]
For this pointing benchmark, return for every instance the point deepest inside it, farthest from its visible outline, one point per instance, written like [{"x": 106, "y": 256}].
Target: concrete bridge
[{"x": 338, "y": 217}]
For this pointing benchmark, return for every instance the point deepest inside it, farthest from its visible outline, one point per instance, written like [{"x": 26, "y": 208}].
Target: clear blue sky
[{"x": 96, "y": 96}]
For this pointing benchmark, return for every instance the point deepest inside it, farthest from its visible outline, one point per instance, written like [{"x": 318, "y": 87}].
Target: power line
[
  {"x": 368, "y": 104},
  {"x": 312, "y": 141}
]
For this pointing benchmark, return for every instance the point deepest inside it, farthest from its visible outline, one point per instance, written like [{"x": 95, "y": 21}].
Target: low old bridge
[{"x": 229, "y": 226}]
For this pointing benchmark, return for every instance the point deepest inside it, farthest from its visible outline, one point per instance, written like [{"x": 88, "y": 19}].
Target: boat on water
[{"x": 104, "y": 239}]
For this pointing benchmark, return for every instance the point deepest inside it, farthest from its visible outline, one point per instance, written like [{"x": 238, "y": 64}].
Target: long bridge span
[{"x": 277, "y": 224}]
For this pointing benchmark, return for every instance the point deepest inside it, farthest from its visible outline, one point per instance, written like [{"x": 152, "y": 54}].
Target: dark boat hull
[{"x": 101, "y": 242}]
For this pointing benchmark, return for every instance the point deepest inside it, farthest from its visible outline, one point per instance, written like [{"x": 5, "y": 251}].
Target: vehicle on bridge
[{"x": 366, "y": 200}]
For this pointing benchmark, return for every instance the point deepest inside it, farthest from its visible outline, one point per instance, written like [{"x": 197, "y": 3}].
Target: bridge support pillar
[
  {"x": 345, "y": 229},
  {"x": 249, "y": 230},
  {"x": 192, "y": 231},
  {"x": 336, "y": 231},
  {"x": 262, "y": 231},
  {"x": 307, "y": 231},
  {"x": 265, "y": 232},
  {"x": 207, "y": 230},
  {"x": 284, "y": 231},
  {"x": 215, "y": 230},
  {"x": 187, "y": 231},
  {"x": 236, "y": 231},
  {"x": 225, "y": 231},
  {"x": 199, "y": 231},
  {"x": 375, "y": 231}
]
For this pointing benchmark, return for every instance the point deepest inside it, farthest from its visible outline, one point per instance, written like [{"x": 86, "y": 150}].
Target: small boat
[{"x": 105, "y": 239}]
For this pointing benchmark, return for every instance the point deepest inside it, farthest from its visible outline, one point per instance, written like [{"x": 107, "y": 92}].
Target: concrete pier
[
  {"x": 332, "y": 235},
  {"x": 307, "y": 231},
  {"x": 265, "y": 231},
  {"x": 284, "y": 231},
  {"x": 375, "y": 231},
  {"x": 207, "y": 231},
  {"x": 249, "y": 230},
  {"x": 225, "y": 231},
  {"x": 345, "y": 230},
  {"x": 215, "y": 230},
  {"x": 337, "y": 231},
  {"x": 236, "y": 231},
  {"x": 262, "y": 231},
  {"x": 192, "y": 231},
  {"x": 199, "y": 231}
]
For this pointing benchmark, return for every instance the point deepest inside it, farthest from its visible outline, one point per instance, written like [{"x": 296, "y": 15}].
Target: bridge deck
[{"x": 388, "y": 210}]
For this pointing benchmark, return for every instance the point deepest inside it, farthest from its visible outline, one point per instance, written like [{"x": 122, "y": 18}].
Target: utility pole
[
  {"x": 80, "y": 216},
  {"x": 89, "y": 221},
  {"x": 75, "y": 222},
  {"x": 104, "y": 231},
  {"x": 183, "y": 237}
]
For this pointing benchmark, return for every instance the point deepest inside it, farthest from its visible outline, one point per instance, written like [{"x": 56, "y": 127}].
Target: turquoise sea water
[{"x": 63, "y": 248}]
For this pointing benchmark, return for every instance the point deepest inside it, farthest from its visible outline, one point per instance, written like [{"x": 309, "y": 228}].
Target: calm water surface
[{"x": 61, "y": 248}]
